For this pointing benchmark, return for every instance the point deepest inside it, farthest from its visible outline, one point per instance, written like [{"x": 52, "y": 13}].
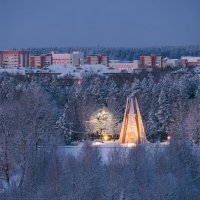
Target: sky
[{"x": 106, "y": 23}]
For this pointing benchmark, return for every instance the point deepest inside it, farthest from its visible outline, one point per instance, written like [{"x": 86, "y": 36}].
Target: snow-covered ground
[
  {"x": 13, "y": 70},
  {"x": 83, "y": 70},
  {"x": 107, "y": 147},
  {"x": 63, "y": 70}
]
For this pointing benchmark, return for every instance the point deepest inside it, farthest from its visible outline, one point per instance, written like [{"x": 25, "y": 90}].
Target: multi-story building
[
  {"x": 35, "y": 61},
  {"x": 41, "y": 61},
  {"x": 14, "y": 58},
  {"x": 189, "y": 61},
  {"x": 167, "y": 62},
  {"x": 46, "y": 60},
  {"x": 75, "y": 58},
  {"x": 128, "y": 66},
  {"x": 153, "y": 61},
  {"x": 61, "y": 58},
  {"x": 97, "y": 59}
]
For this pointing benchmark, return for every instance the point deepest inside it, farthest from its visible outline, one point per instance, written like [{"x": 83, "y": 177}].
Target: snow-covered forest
[{"x": 39, "y": 114}]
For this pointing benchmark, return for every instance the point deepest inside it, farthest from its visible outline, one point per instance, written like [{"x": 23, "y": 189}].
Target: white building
[
  {"x": 190, "y": 61},
  {"x": 76, "y": 58},
  {"x": 128, "y": 66},
  {"x": 167, "y": 62}
]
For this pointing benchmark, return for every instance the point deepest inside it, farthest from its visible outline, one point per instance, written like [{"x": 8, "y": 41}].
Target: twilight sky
[{"x": 124, "y": 23}]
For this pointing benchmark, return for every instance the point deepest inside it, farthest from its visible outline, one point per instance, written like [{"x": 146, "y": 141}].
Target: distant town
[{"x": 77, "y": 64}]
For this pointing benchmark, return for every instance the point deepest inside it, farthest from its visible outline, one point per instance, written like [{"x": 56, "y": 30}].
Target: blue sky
[{"x": 110, "y": 23}]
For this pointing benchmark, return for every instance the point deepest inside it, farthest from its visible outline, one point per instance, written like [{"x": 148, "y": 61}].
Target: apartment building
[
  {"x": 153, "y": 61},
  {"x": 75, "y": 58},
  {"x": 41, "y": 61},
  {"x": 14, "y": 58},
  {"x": 97, "y": 59}
]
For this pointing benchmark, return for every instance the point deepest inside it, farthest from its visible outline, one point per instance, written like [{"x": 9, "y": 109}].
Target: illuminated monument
[{"x": 132, "y": 130}]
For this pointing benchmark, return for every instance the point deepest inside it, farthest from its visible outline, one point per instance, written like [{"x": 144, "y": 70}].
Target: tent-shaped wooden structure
[{"x": 132, "y": 130}]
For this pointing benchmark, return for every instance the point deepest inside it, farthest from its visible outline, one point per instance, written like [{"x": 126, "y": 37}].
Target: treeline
[{"x": 126, "y": 53}]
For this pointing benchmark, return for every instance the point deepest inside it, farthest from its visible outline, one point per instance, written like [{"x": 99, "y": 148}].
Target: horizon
[{"x": 104, "y": 47}]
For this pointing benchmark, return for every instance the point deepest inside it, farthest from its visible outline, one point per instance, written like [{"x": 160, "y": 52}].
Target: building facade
[
  {"x": 97, "y": 59},
  {"x": 128, "y": 66},
  {"x": 61, "y": 59},
  {"x": 41, "y": 61},
  {"x": 167, "y": 62},
  {"x": 35, "y": 61},
  {"x": 189, "y": 61},
  {"x": 14, "y": 58},
  {"x": 75, "y": 58},
  {"x": 152, "y": 61}
]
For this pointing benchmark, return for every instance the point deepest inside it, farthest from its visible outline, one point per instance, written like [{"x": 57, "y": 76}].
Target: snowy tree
[
  {"x": 191, "y": 122},
  {"x": 39, "y": 112},
  {"x": 90, "y": 168},
  {"x": 101, "y": 122},
  {"x": 63, "y": 123},
  {"x": 164, "y": 111}
]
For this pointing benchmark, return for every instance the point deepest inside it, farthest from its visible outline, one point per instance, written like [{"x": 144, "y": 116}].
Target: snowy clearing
[{"x": 107, "y": 147}]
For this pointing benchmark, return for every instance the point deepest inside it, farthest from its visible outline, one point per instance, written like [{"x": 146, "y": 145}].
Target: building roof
[
  {"x": 61, "y": 55},
  {"x": 190, "y": 58}
]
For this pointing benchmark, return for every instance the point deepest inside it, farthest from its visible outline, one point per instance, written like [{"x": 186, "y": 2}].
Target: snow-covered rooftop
[
  {"x": 63, "y": 70},
  {"x": 79, "y": 72},
  {"x": 61, "y": 56},
  {"x": 13, "y": 70},
  {"x": 190, "y": 58}
]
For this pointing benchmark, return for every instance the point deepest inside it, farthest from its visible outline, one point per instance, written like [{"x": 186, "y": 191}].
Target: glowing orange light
[{"x": 105, "y": 137}]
